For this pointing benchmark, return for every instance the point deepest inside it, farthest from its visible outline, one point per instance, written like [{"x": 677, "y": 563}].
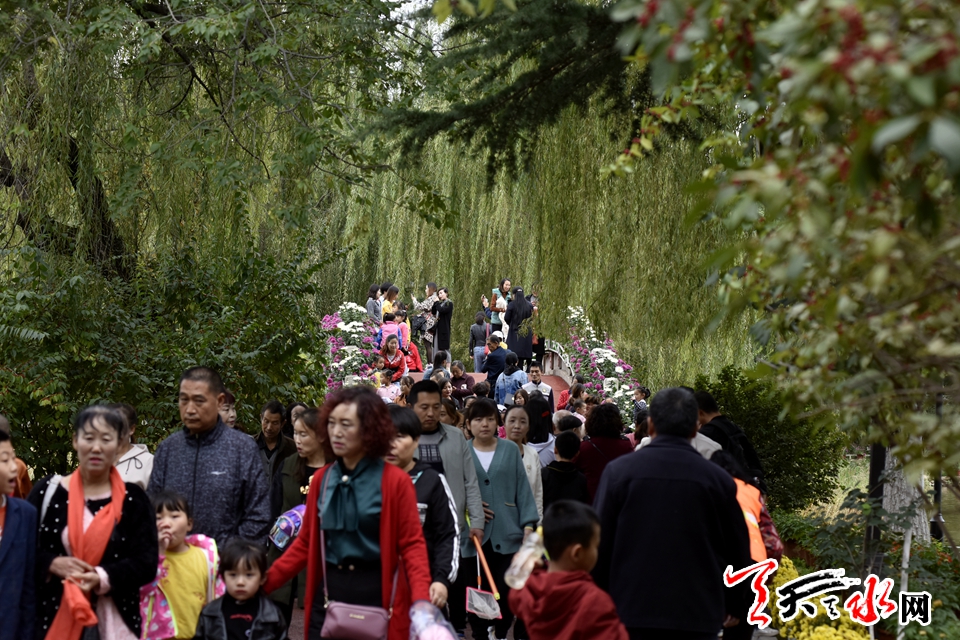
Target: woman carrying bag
[
  {"x": 361, "y": 540},
  {"x": 96, "y": 541}
]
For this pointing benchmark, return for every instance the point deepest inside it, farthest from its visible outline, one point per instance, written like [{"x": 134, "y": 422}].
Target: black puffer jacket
[
  {"x": 438, "y": 516},
  {"x": 269, "y": 624}
]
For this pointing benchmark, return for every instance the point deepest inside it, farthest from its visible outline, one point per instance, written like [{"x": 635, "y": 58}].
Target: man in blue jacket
[
  {"x": 682, "y": 511},
  {"x": 216, "y": 468},
  {"x": 496, "y": 360},
  {"x": 18, "y": 546}
]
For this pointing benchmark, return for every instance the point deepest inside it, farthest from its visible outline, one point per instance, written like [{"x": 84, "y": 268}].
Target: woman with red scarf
[
  {"x": 361, "y": 541},
  {"x": 395, "y": 362},
  {"x": 97, "y": 539}
]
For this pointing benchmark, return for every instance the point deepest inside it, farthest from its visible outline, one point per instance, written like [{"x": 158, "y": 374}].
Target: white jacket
[
  {"x": 136, "y": 465},
  {"x": 700, "y": 442},
  {"x": 531, "y": 465}
]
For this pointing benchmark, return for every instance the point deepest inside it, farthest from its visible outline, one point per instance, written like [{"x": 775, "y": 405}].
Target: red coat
[
  {"x": 401, "y": 537},
  {"x": 596, "y": 454},
  {"x": 566, "y": 605}
]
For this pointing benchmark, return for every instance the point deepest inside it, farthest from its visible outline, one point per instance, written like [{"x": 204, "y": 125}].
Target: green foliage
[
  {"x": 503, "y": 79},
  {"x": 838, "y": 542},
  {"x": 618, "y": 249},
  {"x": 841, "y": 174},
  {"x": 110, "y": 341},
  {"x": 801, "y": 458}
]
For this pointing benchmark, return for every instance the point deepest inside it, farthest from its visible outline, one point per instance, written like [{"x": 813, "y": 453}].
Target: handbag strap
[{"x": 323, "y": 551}]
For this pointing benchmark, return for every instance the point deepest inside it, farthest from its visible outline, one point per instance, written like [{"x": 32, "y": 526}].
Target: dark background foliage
[
  {"x": 71, "y": 339},
  {"x": 801, "y": 459}
]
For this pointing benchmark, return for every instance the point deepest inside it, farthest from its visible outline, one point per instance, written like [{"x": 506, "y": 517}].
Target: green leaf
[
  {"x": 945, "y": 139},
  {"x": 894, "y": 131},
  {"x": 923, "y": 90},
  {"x": 443, "y": 10}
]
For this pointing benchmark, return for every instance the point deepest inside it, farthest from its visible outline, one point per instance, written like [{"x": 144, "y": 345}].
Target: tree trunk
[{"x": 899, "y": 496}]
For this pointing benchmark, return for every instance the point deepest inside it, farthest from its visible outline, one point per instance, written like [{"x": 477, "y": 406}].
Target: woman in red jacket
[
  {"x": 370, "y": 522},
  {"x": 604, "y": 443}
]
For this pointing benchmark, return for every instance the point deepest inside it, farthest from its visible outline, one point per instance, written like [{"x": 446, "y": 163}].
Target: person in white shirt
[
  {"x": 134, "y": 461},
  {"x": 536, "y": 383}
]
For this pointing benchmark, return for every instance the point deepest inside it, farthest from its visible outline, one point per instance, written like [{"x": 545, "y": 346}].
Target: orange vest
[{"x": 749, "y": 498}]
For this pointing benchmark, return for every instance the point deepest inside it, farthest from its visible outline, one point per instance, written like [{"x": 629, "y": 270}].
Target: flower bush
[
  {"x": 605, "y": 373},
  {"x": 820, "y": 627},
  {"x": 350, "y": 338}
]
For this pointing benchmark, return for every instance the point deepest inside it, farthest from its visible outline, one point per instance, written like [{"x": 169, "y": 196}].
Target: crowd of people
[{"x": 379, "y": 499}]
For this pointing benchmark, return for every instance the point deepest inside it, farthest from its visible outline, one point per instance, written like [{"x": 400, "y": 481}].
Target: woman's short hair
[
  {"x": 405, "y": 421},
  {"x": 376, "y": 427},
  {"x": 521, "y": 393},
  {"x": 87, "y": 416},
  {"x": 480, "y": 318},
  {"x": 483, "y": 408},
  {"x": 605, "y": 421},
  {"x": 459, "y": 365},
  {"x": 372, "y": 291},
  {"x": 311, "y": 420}
]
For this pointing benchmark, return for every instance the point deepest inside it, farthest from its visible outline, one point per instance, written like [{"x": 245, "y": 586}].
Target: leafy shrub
[
  {"x": 838, "y": 542},
  {"x": 69, "y": 338},
  {"x": 801, "y": 459}
]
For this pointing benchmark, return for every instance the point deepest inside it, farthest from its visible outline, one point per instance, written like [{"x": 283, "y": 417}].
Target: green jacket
[{"x": 506, "y": 489}]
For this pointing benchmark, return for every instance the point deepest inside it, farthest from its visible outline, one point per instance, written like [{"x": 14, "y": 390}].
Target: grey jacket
[
  {"x": 220, "y": 473},
  {"x": 461, "y": 475}
]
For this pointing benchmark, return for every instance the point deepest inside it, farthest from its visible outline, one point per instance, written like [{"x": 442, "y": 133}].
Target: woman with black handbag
[{"x": 361, "y": 540}]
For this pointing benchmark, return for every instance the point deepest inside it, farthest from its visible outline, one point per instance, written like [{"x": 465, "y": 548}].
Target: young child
[
  {"x": 186, "y": 574},
  {"x": 387, "y": 329},
  {"x": 245, "y": 612},
  {"x": 563, "y": 603},
  {"x": 561, "y": 478},
  {"x": 387, "y": 389},
  {"x": 18, "y": 544}
]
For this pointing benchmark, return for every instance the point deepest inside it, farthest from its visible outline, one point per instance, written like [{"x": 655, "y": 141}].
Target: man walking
[
  {"x": 728, "y": 435},
  {"x": 274, "y": 446},
  {"x": 683, "y": 510},
  {"x": 215, "y": 467},
  {"x": 443, "y": 448},
  {"x": 536, "y": 383}
]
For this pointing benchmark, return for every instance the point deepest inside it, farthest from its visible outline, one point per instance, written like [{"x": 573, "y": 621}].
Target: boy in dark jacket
[
  {"x": 438, "y": 515},
  {"x": 561, "y": 478},
  {"x": 244, "y": 612},
  {"x": 563, "y": 602},
  {"x": 18, "y": 522}
]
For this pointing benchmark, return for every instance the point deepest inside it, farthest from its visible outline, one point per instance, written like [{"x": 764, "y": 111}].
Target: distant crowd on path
[
  {"x": 504, "y": 324},
  {"x": 383, "y": 502}
]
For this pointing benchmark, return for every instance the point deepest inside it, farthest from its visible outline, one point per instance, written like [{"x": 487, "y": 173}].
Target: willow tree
[
  {"x": 139, "y": 126},
  {"x": 165, "y": 169},
  {"x": 514, "y": 116}
]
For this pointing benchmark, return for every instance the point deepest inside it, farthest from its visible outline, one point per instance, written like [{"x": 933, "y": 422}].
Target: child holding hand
[
  {"x": 186, "y": 574},
  {"x": 244, "y": 612}
]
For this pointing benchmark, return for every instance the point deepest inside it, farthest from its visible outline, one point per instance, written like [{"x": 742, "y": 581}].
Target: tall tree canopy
[{"x": 834, "y": 164}]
